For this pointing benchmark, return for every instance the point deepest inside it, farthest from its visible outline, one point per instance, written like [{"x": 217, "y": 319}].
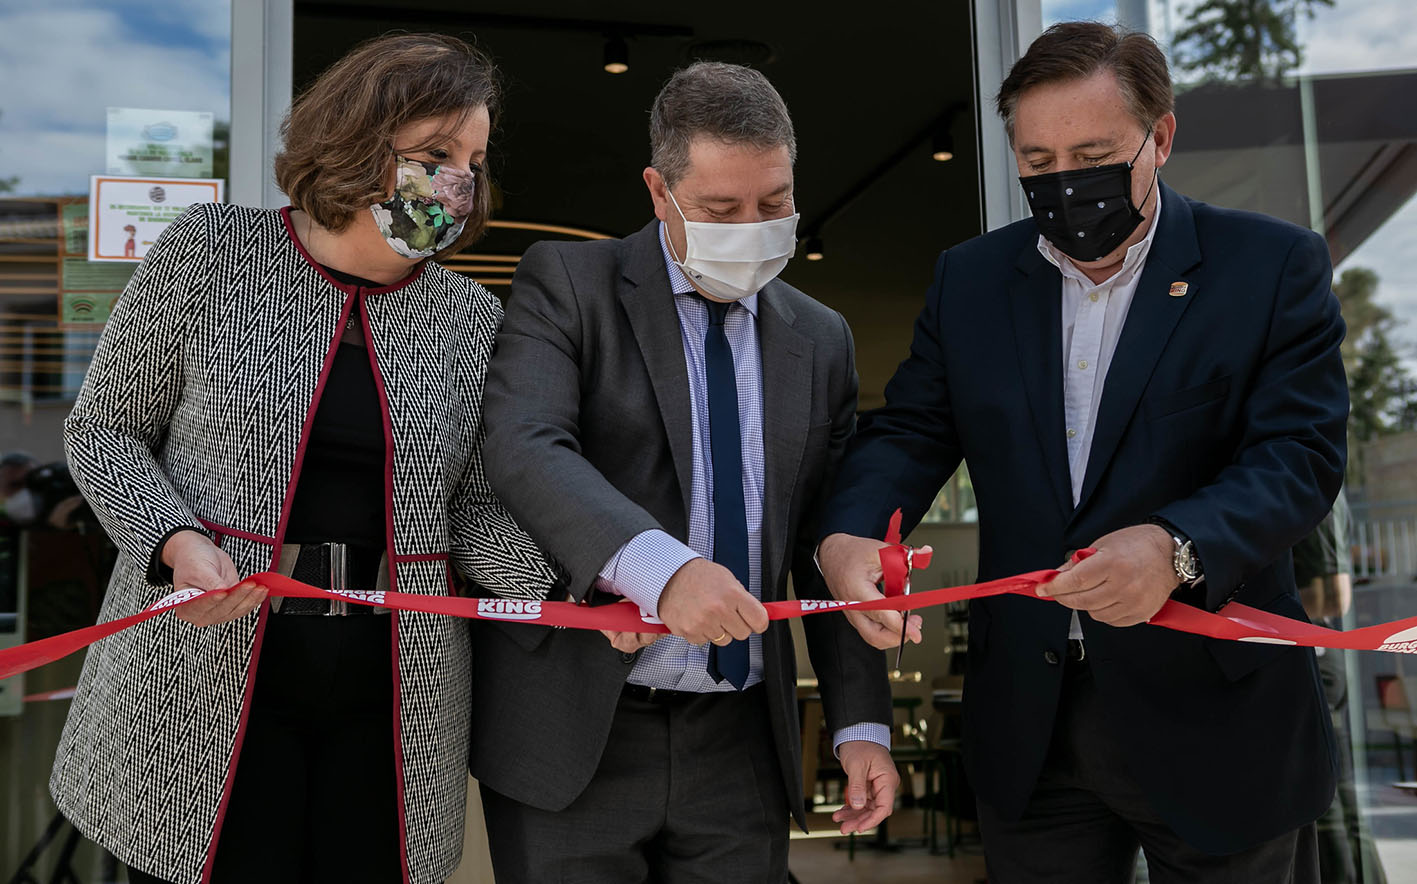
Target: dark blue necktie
[{"x": 730, "y": 518}]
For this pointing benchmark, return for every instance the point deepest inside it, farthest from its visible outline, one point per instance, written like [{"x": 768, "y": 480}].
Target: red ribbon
[
  {"x": 1237, "y": 623},
  {"x": 898, "y": 560}
]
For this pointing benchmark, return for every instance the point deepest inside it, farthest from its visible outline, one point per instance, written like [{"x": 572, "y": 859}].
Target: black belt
[
  {"x": 334, "y": 566},
  {"x": 667, "y": 697}
]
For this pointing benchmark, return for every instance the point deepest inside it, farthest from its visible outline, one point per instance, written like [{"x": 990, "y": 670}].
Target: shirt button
[
  {"x": 627, "y": 658},
  {"x": 1083, "y": 364},
  {"x": 1072, "y": 432},
  {"x": 1050, "y": 657},
  {"x": 1092, "y": 297}
]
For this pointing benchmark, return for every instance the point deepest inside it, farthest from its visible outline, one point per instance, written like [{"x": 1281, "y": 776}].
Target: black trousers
[
  {"x": 1087, "y": 819},
  {"x": 685, "y": 792},
  {"x": 315, "y": 796}
]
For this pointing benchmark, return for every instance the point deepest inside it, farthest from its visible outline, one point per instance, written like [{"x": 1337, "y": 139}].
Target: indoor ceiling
[{"x": 864, "y": 91}]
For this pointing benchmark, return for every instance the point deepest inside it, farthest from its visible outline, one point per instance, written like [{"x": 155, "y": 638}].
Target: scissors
[{"x": 905, "y": 615}]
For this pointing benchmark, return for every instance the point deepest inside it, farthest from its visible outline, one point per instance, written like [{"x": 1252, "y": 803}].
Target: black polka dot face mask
[{"x": 1086, "y": 213}]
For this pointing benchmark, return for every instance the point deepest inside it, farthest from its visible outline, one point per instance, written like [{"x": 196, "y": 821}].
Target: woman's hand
[{"x": 197, "y": 563}]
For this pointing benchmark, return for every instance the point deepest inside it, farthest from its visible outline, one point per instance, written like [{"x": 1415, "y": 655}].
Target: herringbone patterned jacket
[{"x": 194, "y": 412}]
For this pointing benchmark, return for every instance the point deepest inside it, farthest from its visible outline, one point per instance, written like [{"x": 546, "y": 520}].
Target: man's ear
[
  {"x": 1165, "y": 137},
  {"x": 658, "y": 192}
]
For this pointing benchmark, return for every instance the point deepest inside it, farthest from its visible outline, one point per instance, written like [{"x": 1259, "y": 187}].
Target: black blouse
[{"x": 340, "y": 496}]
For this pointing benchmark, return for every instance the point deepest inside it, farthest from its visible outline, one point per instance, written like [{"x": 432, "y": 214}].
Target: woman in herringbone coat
[{"x": 299, "y": 390}]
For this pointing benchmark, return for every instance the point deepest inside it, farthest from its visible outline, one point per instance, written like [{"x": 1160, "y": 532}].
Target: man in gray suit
[{"x": 663, "y": 416}]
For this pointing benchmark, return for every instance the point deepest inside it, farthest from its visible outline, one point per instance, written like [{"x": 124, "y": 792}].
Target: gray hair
[{"x": 724, "y": 102}]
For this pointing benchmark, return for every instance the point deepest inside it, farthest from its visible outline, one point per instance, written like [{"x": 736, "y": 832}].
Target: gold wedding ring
[{"x": 721, "y": 637}]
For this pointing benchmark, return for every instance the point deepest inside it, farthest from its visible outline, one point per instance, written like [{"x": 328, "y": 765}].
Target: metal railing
[{"x": 1384, "y": 540}]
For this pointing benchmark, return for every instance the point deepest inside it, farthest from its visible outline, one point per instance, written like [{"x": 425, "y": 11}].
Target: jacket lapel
[
  {"x": 787, "y": 402},
  {"x": 649, "y": 303},
  {"x": 1151, "y": 319},
  {"x": 1035, "y": 304}
]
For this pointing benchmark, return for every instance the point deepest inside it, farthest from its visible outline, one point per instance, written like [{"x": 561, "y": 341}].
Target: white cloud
[
  {"x": 52, "y": 131},
  {"x": 1360, "y": 35},
  {"x": 1351, "y": 35}
]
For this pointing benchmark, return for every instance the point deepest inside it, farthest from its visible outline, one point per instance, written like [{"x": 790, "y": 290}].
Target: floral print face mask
[{"x": 429, "y": 207}]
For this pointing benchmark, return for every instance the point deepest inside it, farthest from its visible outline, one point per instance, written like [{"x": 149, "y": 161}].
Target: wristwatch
[{"x": 1183, "y": 558}]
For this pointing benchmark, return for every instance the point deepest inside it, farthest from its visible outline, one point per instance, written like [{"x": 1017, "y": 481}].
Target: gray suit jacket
[{"x": 589, "y": 443}]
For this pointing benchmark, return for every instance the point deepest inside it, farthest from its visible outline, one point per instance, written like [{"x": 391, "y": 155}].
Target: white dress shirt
[{"x": 1093, "y": 316}]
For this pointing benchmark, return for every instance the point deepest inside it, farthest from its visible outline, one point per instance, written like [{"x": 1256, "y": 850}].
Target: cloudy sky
[{"x": 66, "y": 61}]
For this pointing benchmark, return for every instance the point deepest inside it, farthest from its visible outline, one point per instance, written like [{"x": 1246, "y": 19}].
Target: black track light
[
  {"x": 617, "y": 55},
  {"x": 942, "y": 145}
]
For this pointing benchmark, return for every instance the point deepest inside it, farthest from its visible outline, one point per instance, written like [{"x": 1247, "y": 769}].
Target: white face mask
[{"x": 734, "y": 261}]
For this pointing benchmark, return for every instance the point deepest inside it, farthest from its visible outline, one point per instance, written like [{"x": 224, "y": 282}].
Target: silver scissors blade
[{"x": 905, "y": 615}]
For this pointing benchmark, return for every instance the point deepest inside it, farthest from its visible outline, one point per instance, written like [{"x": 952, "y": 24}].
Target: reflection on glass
[
  {"x": 66, "y": 63},
  {"x": 108, "y": 84}
]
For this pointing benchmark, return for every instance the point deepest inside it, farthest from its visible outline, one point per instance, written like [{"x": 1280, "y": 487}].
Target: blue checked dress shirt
[{"x": 644, "y": 565}]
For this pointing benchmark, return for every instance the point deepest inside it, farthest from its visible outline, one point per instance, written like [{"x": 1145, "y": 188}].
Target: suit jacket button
[
  {"x": 1050, "y": 656},
  {"x": 627, "y": 658}
]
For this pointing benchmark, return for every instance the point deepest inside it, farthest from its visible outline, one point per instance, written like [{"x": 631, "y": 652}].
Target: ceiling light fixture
[
  {"x": 814, "y": 249},
  {"x": 617, "y": 55}
]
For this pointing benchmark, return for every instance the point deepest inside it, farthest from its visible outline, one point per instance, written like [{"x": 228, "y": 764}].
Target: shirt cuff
[
  {"x": 642, "y": 568},
  {"x": 871, "y": 731}
]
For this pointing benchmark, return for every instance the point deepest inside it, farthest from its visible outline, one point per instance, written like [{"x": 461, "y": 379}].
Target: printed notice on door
[{"x": 127, "y": 214}]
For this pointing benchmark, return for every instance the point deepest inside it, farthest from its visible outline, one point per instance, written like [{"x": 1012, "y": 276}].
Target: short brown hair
[
  {"x": 1076, "y": 50},
  {"x": 339, "y": 134},
  {"x": 723, "y": 102}
]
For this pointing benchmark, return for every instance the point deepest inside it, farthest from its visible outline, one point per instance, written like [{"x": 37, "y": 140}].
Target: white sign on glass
[
  {"x": 159, "y": 143},
  {"x": 127, "y": 214}
]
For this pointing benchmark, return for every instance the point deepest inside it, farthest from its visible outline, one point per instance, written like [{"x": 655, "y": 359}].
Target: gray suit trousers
[{"x": 686, "y": 792}]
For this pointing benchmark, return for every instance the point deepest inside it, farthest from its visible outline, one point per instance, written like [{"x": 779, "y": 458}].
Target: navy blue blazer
[{"x": 1224, "y": 413}]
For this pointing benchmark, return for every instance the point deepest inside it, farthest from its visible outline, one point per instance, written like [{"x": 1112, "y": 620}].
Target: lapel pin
[{"x": 1179, "y": 289}]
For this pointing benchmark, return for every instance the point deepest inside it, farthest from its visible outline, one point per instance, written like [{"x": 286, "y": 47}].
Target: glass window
[
  {"x": 125, "y": 88},
  {"x": 94, "y": 87}
]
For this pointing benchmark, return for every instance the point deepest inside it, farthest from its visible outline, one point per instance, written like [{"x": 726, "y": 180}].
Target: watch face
[{"x": 1186, "y": 561}]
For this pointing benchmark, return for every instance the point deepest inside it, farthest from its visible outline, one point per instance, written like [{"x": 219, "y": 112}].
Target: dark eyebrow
[
  {"x": 1086, "y": 145},
  {"x": 733, "y": 199}
]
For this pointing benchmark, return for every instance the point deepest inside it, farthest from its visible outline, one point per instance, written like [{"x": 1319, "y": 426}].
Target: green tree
[
  {"x": 1242, "y": 39},
  {"x": 1379, "y": 385}
]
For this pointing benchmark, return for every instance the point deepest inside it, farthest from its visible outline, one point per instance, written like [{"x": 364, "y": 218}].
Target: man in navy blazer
[{"x": 1159, "y": 379}]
